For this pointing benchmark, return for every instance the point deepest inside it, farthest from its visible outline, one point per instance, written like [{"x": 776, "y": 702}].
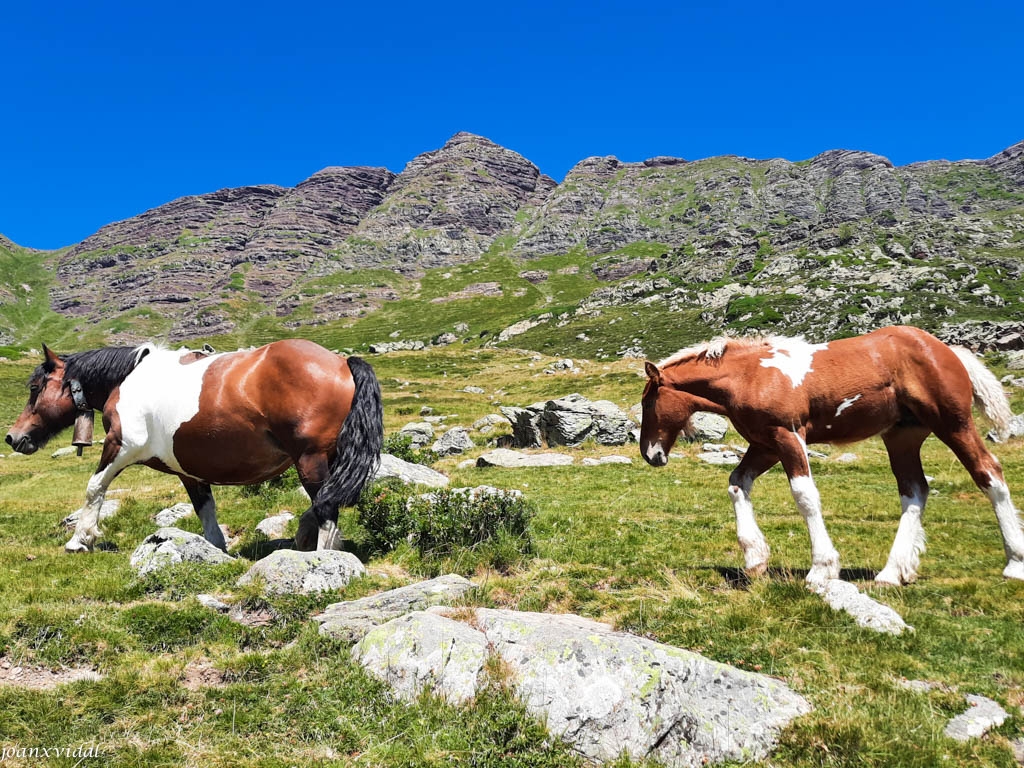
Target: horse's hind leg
[
  {"x": 318, "y": 527},
  {"x": 904, "y": 447},
  {"x": 201, "y": 496},
  {"x": 987, "y": 474},
  {"x": 755, "y": 463}
]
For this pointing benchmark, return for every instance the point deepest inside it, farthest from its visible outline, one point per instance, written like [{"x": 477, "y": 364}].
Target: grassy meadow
[{"x": 652, "y": 551}]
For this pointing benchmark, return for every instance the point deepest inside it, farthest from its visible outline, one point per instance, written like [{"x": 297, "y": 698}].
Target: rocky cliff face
[
  {"x": 196, "y": 261},
  {"x": 604, "y": 204},
  {"x": 447, "y": 206}
]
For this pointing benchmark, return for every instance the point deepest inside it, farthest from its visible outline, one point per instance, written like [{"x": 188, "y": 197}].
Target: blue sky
[{"x": 111, "y": 108}]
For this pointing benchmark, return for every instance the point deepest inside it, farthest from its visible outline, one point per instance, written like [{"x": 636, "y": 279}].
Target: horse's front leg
[
  {"x": 201, "y": 496},
  {"x": 756, "y": 552},
  {"x": 113, "y": 461},
  {"x": 792, "y": 451}
]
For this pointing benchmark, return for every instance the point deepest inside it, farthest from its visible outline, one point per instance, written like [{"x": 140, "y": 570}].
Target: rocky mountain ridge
[{"x": 197, "y": 266}]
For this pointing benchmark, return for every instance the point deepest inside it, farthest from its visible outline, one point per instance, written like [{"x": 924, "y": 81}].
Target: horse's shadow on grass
[
  {"x": 257, "y": 550},
  {"x": 737, "y": 578}
]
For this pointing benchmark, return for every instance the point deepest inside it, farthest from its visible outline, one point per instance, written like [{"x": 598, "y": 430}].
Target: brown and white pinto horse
[
  {"x": 237, "y": 418},
  {"x": 781, "y": 394}
]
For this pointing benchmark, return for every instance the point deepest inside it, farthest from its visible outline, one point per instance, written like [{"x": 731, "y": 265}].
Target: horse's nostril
[{"x": 10, "y": 439}]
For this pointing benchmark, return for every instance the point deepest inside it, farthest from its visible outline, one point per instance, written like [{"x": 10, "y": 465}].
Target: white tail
[{"x": 988, "y": 392}]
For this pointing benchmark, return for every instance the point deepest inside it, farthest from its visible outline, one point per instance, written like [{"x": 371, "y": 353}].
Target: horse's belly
[
  {"x": 227, "y": 456},
  {"x": 852, "y": 418}
]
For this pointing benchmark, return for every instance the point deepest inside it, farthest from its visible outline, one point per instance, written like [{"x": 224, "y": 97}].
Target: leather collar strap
[{"x": 78, "y": 395}]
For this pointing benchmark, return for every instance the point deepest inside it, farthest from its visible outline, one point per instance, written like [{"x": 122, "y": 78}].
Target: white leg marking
[
  {"x": 752, "y": 541},
  {"x": 824, "y": 557},
  {"x": 87, "y": 529},
  {"x": 909, "y": 544},
  {"x": 329, "y": 536},
  {"x": 1010, "y": 527}
]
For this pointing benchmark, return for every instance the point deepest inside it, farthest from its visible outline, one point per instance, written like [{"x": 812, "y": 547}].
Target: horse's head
[
  {"x": 666, "y": 413},
  {"x": 50, "y": 407}
]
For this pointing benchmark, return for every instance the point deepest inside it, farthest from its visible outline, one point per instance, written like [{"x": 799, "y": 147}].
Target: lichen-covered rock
[
  {"x": 107, "y": 510},
  {"x": 504, "y": 457},
  {"x": 408, "y": 472},
  {"x": 167, "y": 517},
  {"x": 420, "y": 433},
  {"x": 982, "y": 715},
  {"x": 289, "y": 572},
  {"x": 169, "y": 546},
  {"x": 456, "y": 440},
  {"x": 708, "y": 426},
  {"x": 607, "y": 693},
  {"x": 274, "y": 527},
  {"x": 422, "y": 651},
  {"x": 868, "y": 613},
  {"x": 351, "y": 620}
]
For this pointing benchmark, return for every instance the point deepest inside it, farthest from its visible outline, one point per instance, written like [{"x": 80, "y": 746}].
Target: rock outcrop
[{"x": 606, "y": 693}]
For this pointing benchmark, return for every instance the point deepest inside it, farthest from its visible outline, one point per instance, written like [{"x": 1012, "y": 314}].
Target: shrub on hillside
[
  {"x": 464, "y": 526},
  {"x": 401, "y": 447}
]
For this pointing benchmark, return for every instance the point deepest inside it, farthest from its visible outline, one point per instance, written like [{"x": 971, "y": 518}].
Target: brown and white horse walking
[
  {"x": 237, "y": 418},
  {"x": 781, "y": 394}
]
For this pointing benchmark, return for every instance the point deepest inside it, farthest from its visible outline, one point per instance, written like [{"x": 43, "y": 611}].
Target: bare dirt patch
[
  {"x": 200, "y": 673},
  {"x": 40, "y": 678}
]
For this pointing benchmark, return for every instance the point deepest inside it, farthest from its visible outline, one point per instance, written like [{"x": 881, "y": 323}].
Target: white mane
[{"x": 715, "y": 349}]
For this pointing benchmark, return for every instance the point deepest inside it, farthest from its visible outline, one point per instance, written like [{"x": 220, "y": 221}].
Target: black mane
[{"x": 100, "y": 369}]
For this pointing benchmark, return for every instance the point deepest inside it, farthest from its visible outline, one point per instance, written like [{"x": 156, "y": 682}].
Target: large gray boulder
[
  {"x": 289, "y": 572},
  {"x": 425, "y": 652},
  {"x": 169, "y": 546},
  {"x": 455, "y": 440},
  {"x": 420, "y": 433},
  {"x": 604, "y": 692},
  {"x": 708, "y": 427},
  {"x": 569, "y": 421},
  {"x": 408, "y": 472},
  {"x": 351, "y": 620},
  {"x": 525, "y": 424}
]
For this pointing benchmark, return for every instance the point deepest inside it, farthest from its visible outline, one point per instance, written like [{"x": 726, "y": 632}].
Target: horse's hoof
[
  {"x": 75, "y": 545},
  {"x": 1014, "y": 570},
  {"x": 887, "y": 578},
  {"x": 757, "y": 570}
]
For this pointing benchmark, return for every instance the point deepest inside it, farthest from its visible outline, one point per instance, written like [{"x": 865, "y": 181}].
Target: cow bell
[{"x": 83, "y": 431}]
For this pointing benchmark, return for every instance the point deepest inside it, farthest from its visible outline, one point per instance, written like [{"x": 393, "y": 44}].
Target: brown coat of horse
[
  {"x": 781, "y": 394},
  {"x": 231, "y": 419}
]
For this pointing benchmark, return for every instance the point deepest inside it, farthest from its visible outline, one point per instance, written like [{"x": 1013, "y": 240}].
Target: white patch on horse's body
[
  {"x": 846, "y": 404},
  {"x": 159, "y": 396},
  {"x": 793, "y": 357}
]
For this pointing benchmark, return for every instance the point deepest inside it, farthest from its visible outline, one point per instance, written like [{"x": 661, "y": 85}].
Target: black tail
[{"x": 358, "y": 455}]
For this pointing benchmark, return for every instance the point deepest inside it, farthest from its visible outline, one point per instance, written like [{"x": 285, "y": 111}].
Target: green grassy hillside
[{"x": 651, "y": 551}]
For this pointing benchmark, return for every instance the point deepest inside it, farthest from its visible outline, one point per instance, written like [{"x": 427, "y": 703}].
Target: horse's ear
[
  {"x": 52, "y": 360},
  {"x": 652, "y": 372}
]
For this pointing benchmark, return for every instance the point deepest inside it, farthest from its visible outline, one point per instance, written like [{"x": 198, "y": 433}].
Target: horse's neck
[{"x": 702, "y": 382}]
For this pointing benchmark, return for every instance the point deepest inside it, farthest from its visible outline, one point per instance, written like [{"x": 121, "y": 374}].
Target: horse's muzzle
[
  {"x": 654, "y": 455},
  {"x": 22, "y": 444}
]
